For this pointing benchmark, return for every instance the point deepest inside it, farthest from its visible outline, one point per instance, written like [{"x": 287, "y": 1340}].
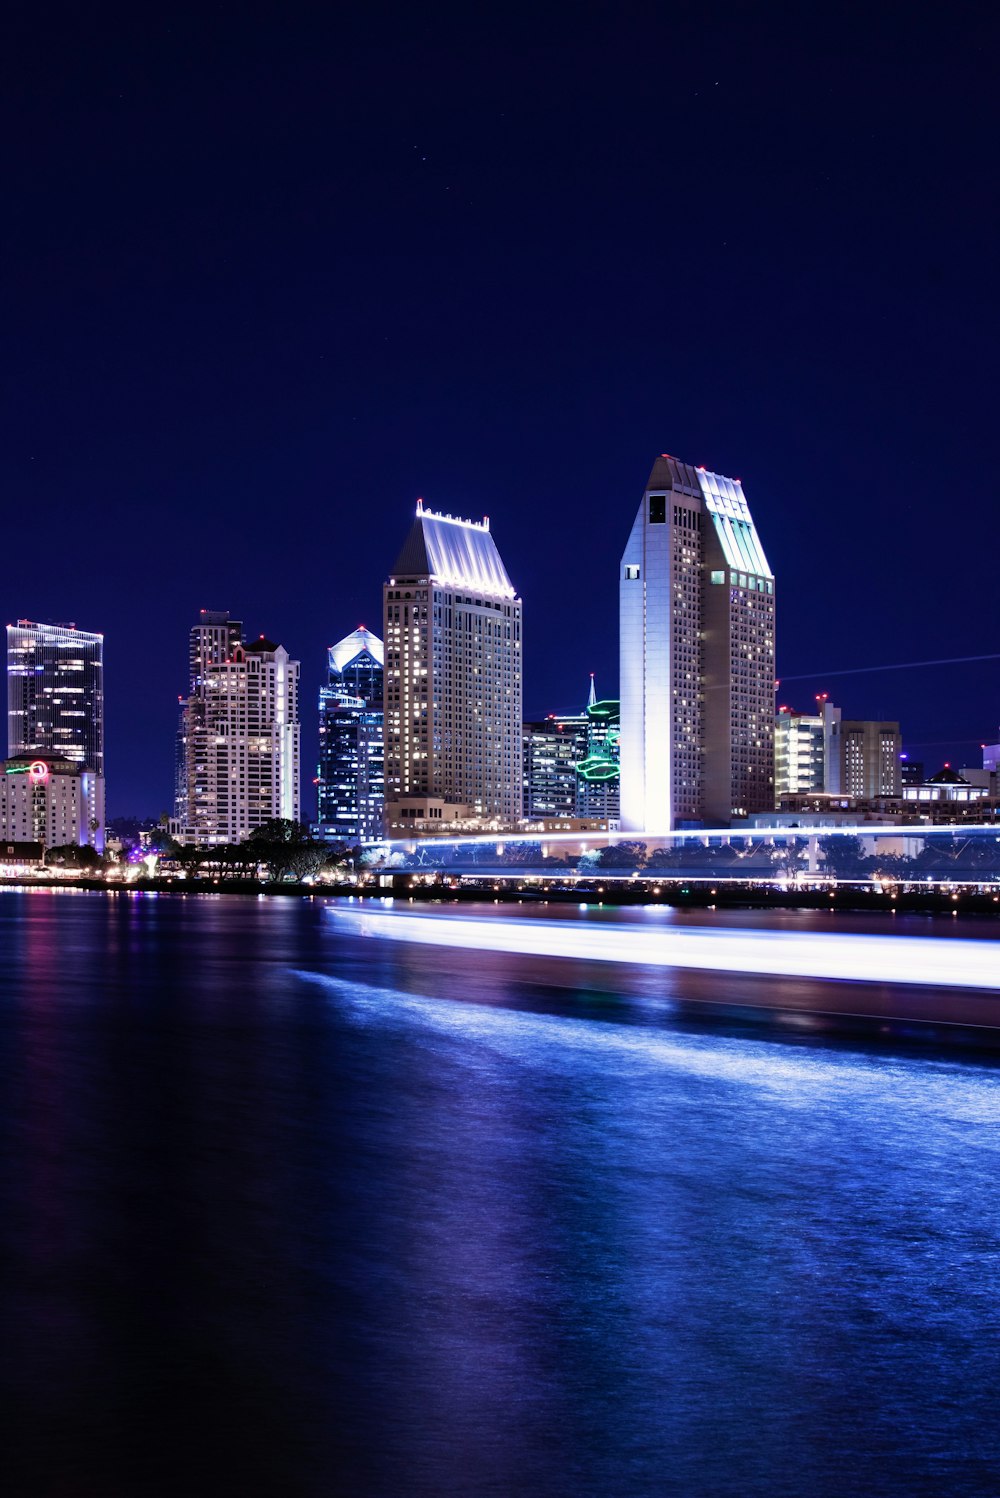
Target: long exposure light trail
[{"x": 951, "y": 963}]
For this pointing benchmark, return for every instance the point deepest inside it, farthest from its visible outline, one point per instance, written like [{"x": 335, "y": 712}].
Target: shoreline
[{"x": 955, "y": 899}]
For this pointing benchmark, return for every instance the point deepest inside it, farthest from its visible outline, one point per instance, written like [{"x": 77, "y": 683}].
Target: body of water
[{"x": 288, "y": 1208}]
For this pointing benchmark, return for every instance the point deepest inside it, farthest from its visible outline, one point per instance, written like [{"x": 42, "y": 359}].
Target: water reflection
[{"x": 287, "y": 1211}]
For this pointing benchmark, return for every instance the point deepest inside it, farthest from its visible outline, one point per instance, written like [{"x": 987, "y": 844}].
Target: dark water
[{"x": 288, "y": 1211}]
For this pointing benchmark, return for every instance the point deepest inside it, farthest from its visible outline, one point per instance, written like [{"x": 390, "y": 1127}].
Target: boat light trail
[{"x": 927, "y": 961}]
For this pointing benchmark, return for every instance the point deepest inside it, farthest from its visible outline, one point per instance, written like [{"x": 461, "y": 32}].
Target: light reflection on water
[{"x": 291, "y": 1211}]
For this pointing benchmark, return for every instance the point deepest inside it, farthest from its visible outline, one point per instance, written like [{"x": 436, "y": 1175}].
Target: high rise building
[
  {"x": 598, "y": 794},
  {"x": 553, "y": 747},
  {"x": 861, "y": 756},
  {"x": 55, "y": 692},
  {"x": 697, "y": 655},
  {"x": 452, "y": 672},
  {"x": 55, "y": 705},
  {"x": 825, "y": 753},
  {"x": 798, "y": 753},
  {"x": 51, "y": 800},
  {"x": 238, "y": 749},
  {"x": 351, "y": 774}
]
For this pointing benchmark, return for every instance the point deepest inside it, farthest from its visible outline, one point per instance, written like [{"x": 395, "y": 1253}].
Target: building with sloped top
[
  {"x": 696, "y": 610},
  {"x": 350, "y": 777},
  {"x": 453, "y": 672}
]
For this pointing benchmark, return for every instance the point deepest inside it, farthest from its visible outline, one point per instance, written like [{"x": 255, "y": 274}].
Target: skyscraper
[
  {"x": 453, "y": 670},
  {"x": 862, "y": 756},
  {"x": 798, "y": 753},
  {"x": 55, "y": 692},
  {"x": 351, "y": 778},
  {"x": 553, "y": 747},
  {"x": 697, "y": 655},
  {"x": 599, "y": 773},
  {"x": 55, "y": 708},
  {"x": 238, "y": 750}
]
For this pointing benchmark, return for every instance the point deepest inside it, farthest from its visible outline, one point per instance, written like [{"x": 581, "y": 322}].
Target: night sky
[{"x": 271, "y": 273}]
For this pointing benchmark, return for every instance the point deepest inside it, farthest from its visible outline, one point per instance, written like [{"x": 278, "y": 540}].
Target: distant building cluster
[{"x": 421, "y": 731}]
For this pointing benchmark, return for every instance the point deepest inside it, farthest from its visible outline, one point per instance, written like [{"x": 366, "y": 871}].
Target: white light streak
[{"x": 866, "y": 959}]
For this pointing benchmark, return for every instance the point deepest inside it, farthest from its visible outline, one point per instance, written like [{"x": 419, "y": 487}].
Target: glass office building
[
  {"x": 55, "y": 693},
  {"x": 351, "y": 770}
]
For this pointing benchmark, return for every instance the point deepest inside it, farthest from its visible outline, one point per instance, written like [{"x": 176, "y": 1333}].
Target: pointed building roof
[
  {"x": 593, "y": 692},
  {"x": 457, "y": 553},
  {"x": 347, "y": 650},
  {"x": 725, "y": 501}
]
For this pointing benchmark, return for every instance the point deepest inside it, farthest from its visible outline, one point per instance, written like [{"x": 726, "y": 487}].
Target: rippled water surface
[{"x": 287, "y": 1210}]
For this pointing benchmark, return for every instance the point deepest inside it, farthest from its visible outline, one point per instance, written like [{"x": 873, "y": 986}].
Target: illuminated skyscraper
[
  {"x": 599, "y": 773},
  {"x": 697, "y": 655},
  {"x": 55, "y": 692},
  {"x": 351, "y": 780},
  {"x": 453, "y": 671},
  {"x": 553, "y": 747},
  {"x": 238, "y": 759},
  {"x": 55, "y": 709}
]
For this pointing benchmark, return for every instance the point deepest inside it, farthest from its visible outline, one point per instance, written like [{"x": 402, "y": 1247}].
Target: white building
[
  {"x": 238, "y": 751},
  {"x": 452, "y": 628},
  {"x": 697, "y": 655},
  {"x": 799, "y": 757},
  {"x": 51, "y": 800}
]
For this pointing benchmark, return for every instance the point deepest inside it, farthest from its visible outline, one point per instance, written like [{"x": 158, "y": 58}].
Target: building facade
[
  {"x": 799, "y": 753},
  {"x": 599, "y": 774},
  {"x": 824, "y": 753},
  {"x": 553, "y": 747},
  {"x": 453, "y": 672},
  {"x": 862, "y": 756},
  {"x": 238, "y": 745},
  {"x": 55, "y": 702},
  {"x": 351, "y": 770},
  {"x": 697, "y": 615},
  {"x": 51, "y": 800}
]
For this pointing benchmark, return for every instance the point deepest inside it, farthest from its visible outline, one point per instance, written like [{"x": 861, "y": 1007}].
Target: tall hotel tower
[
  {"x": 452, "y": 672},
  {"x": 697, "y": 656},
  {"x": 238, "y": 746}
]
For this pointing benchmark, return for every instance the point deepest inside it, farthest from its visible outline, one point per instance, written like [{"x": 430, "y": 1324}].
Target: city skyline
[
  {"x": 268, "y": 341},
  {"x": 157, "y": 797}
]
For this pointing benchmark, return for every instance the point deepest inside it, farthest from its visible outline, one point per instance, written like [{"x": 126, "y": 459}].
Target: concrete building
[
  {"x": 453, "y": 673},
  {"x": 51, "y": 800},
  {"x": 799, "y": 757},
  {"x": 350, "y": 790},
  {"x": 238, "y": 759},
  {"x": 825, "y": 753},
  {"x": 861, "y": 756},
  {"x": 697, "y": 655}
]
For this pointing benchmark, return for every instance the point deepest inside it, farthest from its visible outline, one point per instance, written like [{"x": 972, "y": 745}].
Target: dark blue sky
[{"x": 272, "y": 272}]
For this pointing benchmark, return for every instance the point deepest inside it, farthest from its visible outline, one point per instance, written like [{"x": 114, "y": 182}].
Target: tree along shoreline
[{"x": 958, "y": 899}]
